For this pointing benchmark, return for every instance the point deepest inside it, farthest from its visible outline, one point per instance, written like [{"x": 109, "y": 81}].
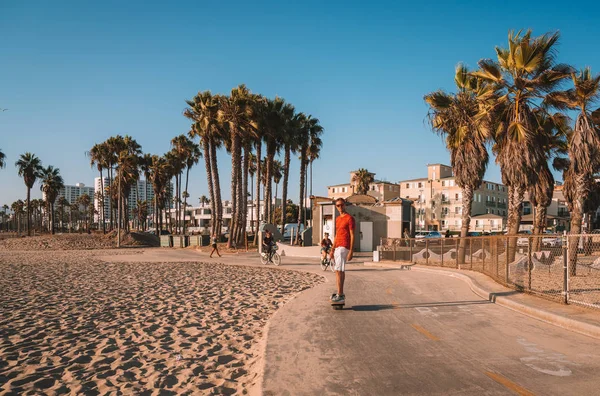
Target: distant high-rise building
[
  {"x": 72, "y": 193},
  {"x": 141, "y": 192}
]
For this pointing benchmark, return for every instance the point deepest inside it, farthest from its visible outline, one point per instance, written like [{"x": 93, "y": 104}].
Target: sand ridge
[{"x": 71, "y": 323}]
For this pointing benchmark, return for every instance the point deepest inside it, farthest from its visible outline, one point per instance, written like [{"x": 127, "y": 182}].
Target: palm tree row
[
  {"x": 244, "y": 123},
  {"x": 510, "y": 102}
]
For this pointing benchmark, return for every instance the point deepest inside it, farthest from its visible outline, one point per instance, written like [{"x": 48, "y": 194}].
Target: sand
[{"x": 71, "y": 323}]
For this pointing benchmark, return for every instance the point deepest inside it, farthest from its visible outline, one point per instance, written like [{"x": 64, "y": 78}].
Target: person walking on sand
[
  {"x": 214, "y": 245},
  {"x": 343, "y": 247}
]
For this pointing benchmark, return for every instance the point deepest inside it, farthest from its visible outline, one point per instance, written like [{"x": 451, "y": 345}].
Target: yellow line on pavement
[
  {"x": 425, "y": 332},
  {"x": 519, "y": 390}
]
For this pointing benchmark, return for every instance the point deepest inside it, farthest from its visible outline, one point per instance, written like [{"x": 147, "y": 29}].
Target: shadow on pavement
[{"x": 382, "y": 307}]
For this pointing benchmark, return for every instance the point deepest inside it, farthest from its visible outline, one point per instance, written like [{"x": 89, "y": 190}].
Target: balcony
[
  {"x": 491, "y": 204},
  {"x": 501, "y": 205}
]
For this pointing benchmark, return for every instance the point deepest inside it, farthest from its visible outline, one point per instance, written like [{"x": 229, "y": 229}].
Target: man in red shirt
[{"x": 343, "y": 246}]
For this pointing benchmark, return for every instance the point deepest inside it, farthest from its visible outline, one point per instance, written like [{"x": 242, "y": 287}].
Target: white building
[
  {"x": 198, "y": 217},
  {"x": 72, "y": 193},
  {"x": 142, "y": 192}
]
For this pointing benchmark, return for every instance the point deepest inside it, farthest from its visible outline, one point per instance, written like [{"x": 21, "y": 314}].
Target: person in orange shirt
[{"x": 343, "y": 247}]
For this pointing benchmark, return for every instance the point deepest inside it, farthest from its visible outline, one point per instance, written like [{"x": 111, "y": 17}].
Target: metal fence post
[
  {"x": 394, "y": 252},
  {"x": 483, "y": 253},
  {"x": 410, "y": 246},
  {"x": 471, "y": 253},
  {"x": 496, "y": 258},
  {"x": 506, "y": 275},
  {"x": 565, "y": 268},
  {"x": 442, "y": 251},
  {"x": 457, "y": 242},
  {"x": 426, "y": 251},
  {"x": 529, "y": 263}
]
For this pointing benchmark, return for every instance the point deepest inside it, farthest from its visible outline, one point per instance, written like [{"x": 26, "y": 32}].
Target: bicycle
[
  {"x": 271, "y": 257},
  {"x": 327, "y": 263}
]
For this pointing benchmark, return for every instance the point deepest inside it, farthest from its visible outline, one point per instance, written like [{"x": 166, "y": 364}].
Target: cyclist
[
  {"x": 267, "y": 242},
  {"x": 325, "y": 247}
]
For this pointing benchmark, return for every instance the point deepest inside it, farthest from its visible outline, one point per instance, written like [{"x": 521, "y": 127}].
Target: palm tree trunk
[
  {"x": 209, "y": 179},
  {"x": 286, "y": 176},
  {"x": 467, "y": 200},
  {"x": 302, "y": 184},
  {"x": 576, "y": 221},
  {"x": 28, "y": 211},
  {"x": 271, "y": 147},
  {"x": 258, "y": 163},
  {"x": 102, "y": 202},
  {"x": 187, "y": 179},
  {"x": 244, "y": 217},
  {"x": 235, "y": 165},
  {"x": 515, "y": 203},
  {"x": 217, "y": 188}
]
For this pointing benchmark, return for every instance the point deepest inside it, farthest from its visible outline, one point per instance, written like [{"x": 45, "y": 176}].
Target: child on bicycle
[
  {"x": 267, "y": 242},
  {"x": 325, "y": 247}
]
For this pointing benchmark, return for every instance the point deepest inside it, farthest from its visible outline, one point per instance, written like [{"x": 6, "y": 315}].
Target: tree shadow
[{"x": 383, "y": 307}]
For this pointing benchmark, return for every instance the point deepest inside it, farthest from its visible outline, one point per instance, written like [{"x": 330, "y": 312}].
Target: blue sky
[{"x": 73, "y": 74}]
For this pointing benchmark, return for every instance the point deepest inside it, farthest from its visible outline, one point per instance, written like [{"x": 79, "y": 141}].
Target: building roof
[
  {"x": 398, "y": 200},
  {"x": 439, "y": 164},
  {"x": 486, "y": 216},
  {"x": 339, "y": 185},
  {"x": 359, "y": 199},
  {"x": 412, "y": 180}
]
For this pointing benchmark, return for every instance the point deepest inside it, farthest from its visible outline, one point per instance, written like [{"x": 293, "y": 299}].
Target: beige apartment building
[
  {"x": 379, "y": 189},
  {"x": 438, "y": 200}
]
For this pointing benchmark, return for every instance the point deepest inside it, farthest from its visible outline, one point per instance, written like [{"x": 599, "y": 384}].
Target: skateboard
[{"x": 337, "y": 305}]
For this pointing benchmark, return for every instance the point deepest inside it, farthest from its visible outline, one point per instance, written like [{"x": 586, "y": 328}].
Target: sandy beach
[{"x": 71, "y": 323}]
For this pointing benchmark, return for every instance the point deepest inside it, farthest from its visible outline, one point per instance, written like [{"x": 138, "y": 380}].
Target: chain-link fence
[{"x": 545, "y": 265}]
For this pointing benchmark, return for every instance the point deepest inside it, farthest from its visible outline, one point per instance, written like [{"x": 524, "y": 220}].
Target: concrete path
[
  {"x": 411, "y": 332},
  {"x": 415, "y": 332}
]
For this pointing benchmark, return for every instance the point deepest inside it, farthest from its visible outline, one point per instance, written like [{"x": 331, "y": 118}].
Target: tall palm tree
[
  {"x": 52, "y": 182},
  {"x": 291, "y": 143},
  {"x": 236, "y": 112},
  {"x": 98, "y": 157},
  {"x": 363, "y": 179},
  {"x": 2, "y": 159},
  {"x": 189, "y": 154},
  {"x": 203, "y": 111},
  {"x": 158, "y": 175},
  {"x": 583, "y": 142},
  {"x": 29, "y": 167},
  {"x": 6, "y": 207},
  {"x": 455, "y": 117},
  {"x": 523, "y": 74},
  {"x": 311, "y": 133},
  {"x": 18, "y": 209},
  {"x": 252, "y": 172}
]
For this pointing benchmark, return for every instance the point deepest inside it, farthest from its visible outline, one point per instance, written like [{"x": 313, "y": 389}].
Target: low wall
[{"x": 299, "y": 251}]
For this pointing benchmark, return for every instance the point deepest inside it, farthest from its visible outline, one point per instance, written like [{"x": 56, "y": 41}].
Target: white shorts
[{"x": 340, "y": 256}]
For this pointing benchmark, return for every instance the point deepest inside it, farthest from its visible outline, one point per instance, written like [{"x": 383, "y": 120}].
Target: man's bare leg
[{"x": 340, "y": 277}]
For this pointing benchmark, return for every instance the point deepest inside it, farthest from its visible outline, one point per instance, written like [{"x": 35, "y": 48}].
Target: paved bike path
[{"x": 414, "y": 332}]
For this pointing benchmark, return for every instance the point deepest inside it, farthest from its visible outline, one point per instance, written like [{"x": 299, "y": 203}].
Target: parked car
[
  {"x": 288, "y": 228},
  {"x": 421, "y": 237},
  {"x": 523, "y": 241},
  {"x": 552, "y": 241}
]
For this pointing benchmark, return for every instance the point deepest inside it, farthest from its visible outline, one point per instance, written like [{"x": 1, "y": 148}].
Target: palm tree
[
  {"x": 277, "y": 175},
  {"x": 311, "y": 133},
  {"x": 236, "y": 112},
  {"x": 84, "y": 200},
  {"x": 524, "y": 73},
  {"x": 18, "y": 209},
  {"x": 2, "y": 159},
  {"x": 52, "y": 182},
  {"x": 203, "y": 111},
  {"x": 252, "y": 172},
  {"x": 6, "y": 207},
  {"x": 362, "y": 179},
  {"x": 583, "y": 142},
  {"x": 189, "y": 154},
  {"x": 158, "y": 175},
  {"x": 98, "y": 156},
  {"x": 455, "y": 116},
  {"x": 291, "y": 142},
  {"x": 29, "y": 167},
  {"x": 62, "y": 202}
]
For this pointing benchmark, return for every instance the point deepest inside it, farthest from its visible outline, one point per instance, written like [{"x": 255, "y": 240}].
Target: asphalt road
[{"x": 413, "y": 332}]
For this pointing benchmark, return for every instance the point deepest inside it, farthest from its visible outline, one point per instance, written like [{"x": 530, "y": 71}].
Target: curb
[{"x": 574, "y": 325}]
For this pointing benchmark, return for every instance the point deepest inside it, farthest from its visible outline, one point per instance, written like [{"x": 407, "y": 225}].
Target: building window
[
  {"x": 407, "y": 185},
  {"x": 420, "y": 185},
  {"x": 443, "y": 183}
]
